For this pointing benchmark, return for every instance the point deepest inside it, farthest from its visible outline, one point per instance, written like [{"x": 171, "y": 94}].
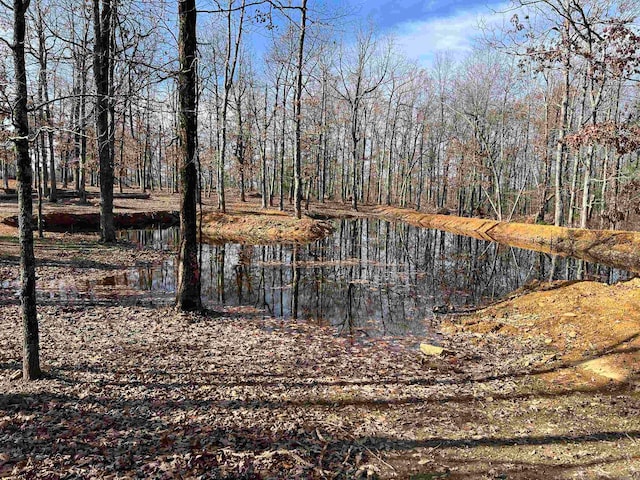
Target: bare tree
[
  {"x": 230, "y": 63},
  {"x": 188, "y": 290},
  {"x": 31, "y": 342},
  {"x": 362, "y": 68},
  {"x": 103, "y": 71},
  {"x": 297, "y": 115}
]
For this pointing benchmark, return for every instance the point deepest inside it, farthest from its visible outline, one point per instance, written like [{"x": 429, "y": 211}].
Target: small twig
[
  {"x": 321, "y": 456},
  {"x": 359, "y": 442},
  {"x": 375, "y": 455},
  {"x": 346, "y": 459}
]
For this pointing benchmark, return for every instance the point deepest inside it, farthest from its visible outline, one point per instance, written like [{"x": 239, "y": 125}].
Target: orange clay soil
[
  {"x": 262, "y": 226},
  {"x": 592, "y": 328},
  {"x": 616, "y": 248}
]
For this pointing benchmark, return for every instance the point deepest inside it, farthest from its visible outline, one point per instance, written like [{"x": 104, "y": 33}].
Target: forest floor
[{"x": 542, "y": 385}]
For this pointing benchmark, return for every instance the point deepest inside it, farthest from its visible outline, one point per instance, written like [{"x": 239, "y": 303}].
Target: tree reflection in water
[{"x": 371, "y": 276}]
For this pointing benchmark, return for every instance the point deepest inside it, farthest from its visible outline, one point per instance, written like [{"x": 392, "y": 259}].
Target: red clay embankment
[
  {"x": 615, "y": 248},
  {"x": 69, "y": 222}
]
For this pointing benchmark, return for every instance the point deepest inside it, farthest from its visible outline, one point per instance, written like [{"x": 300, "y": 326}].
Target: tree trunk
[
  {"x": 561, "y": 134},
  {"x": 282, "y": 147},
  {"x": 31, "y": 345},
  {"x": 188, "y": 289},
  {"x": 354, "y": 153},
  {"x": 42, "y": 84},
  {"x": 263, "y": 151},
  {"x": 297, "y": 117},
  {"x": 101, "y": 69},
  {"x": 83, "y": 131}
]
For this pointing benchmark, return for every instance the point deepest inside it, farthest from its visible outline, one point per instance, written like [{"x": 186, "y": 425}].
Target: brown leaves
[
  {"x": 623, "y": 137},
  {"x": 142, "y": 391},
  {"x": 623, "y": 49}
]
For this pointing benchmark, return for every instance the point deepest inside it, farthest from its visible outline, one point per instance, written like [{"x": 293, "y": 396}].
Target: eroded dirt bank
[
  {"x": 616, "y": 248},
  {"x": 593, "y": 328},
  {"x": 70, "y": 222},
  {"x": 262, "y": 226},
  {"x": 244, "y": 222},
  {"x": 68, "y": 212}
]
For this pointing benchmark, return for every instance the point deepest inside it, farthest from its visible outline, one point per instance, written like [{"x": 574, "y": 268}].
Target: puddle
[{"x": 371, "y": 278}]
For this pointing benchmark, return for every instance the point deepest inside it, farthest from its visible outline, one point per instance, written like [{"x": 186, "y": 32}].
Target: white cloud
[{"x": 455, "y": 34}]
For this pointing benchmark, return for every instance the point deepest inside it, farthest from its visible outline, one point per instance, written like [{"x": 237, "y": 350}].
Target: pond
[{"x": 371, "y": 277}]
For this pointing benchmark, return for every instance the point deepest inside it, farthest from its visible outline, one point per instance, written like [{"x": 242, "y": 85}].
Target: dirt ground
[
  {"x": 261, "y": 226},
  {"x": 594, "y": 327},
  {"x": 542, "y": 385}
]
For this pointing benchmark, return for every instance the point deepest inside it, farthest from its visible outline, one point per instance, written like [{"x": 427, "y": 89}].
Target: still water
[{"x": 370, "y": 277}]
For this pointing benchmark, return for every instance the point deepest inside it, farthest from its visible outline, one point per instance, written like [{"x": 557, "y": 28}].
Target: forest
[
  {"x": 540, "y": 120},
  {"x": 260, "y": 239}
]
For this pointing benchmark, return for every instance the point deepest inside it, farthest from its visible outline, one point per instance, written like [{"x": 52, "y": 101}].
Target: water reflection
[{"x": 371, "y": 277}]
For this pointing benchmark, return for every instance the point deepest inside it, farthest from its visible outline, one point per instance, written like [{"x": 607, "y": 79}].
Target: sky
[
  {"x": 421, "y": 28},
  {"x": 425, "y": 27}
]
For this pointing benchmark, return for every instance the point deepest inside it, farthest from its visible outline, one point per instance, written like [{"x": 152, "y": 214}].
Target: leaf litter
[{"x": 138, "y": 390}]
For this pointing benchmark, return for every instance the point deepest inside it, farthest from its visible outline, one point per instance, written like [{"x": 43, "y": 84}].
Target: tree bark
[
  {"x": 31, "y": 344},
  {"x": 557, "y": 219},
  {"x": 188, "y": 291},
  {"x": 297, "y": 116},
  {"x": 101, "y": 69}
]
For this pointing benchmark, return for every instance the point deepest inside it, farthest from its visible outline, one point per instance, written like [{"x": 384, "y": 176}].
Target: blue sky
[
  {"x": 423, "y": 28},
  {"x": 390, "y": 13}
]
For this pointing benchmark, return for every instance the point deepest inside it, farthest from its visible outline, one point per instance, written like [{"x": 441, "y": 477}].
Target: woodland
[{"x": 255, "y": 239}]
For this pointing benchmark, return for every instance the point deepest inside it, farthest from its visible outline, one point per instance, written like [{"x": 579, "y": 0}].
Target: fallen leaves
[
  {"x": 138, "y": 390},
  {"x": 158, "y": 395}
]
